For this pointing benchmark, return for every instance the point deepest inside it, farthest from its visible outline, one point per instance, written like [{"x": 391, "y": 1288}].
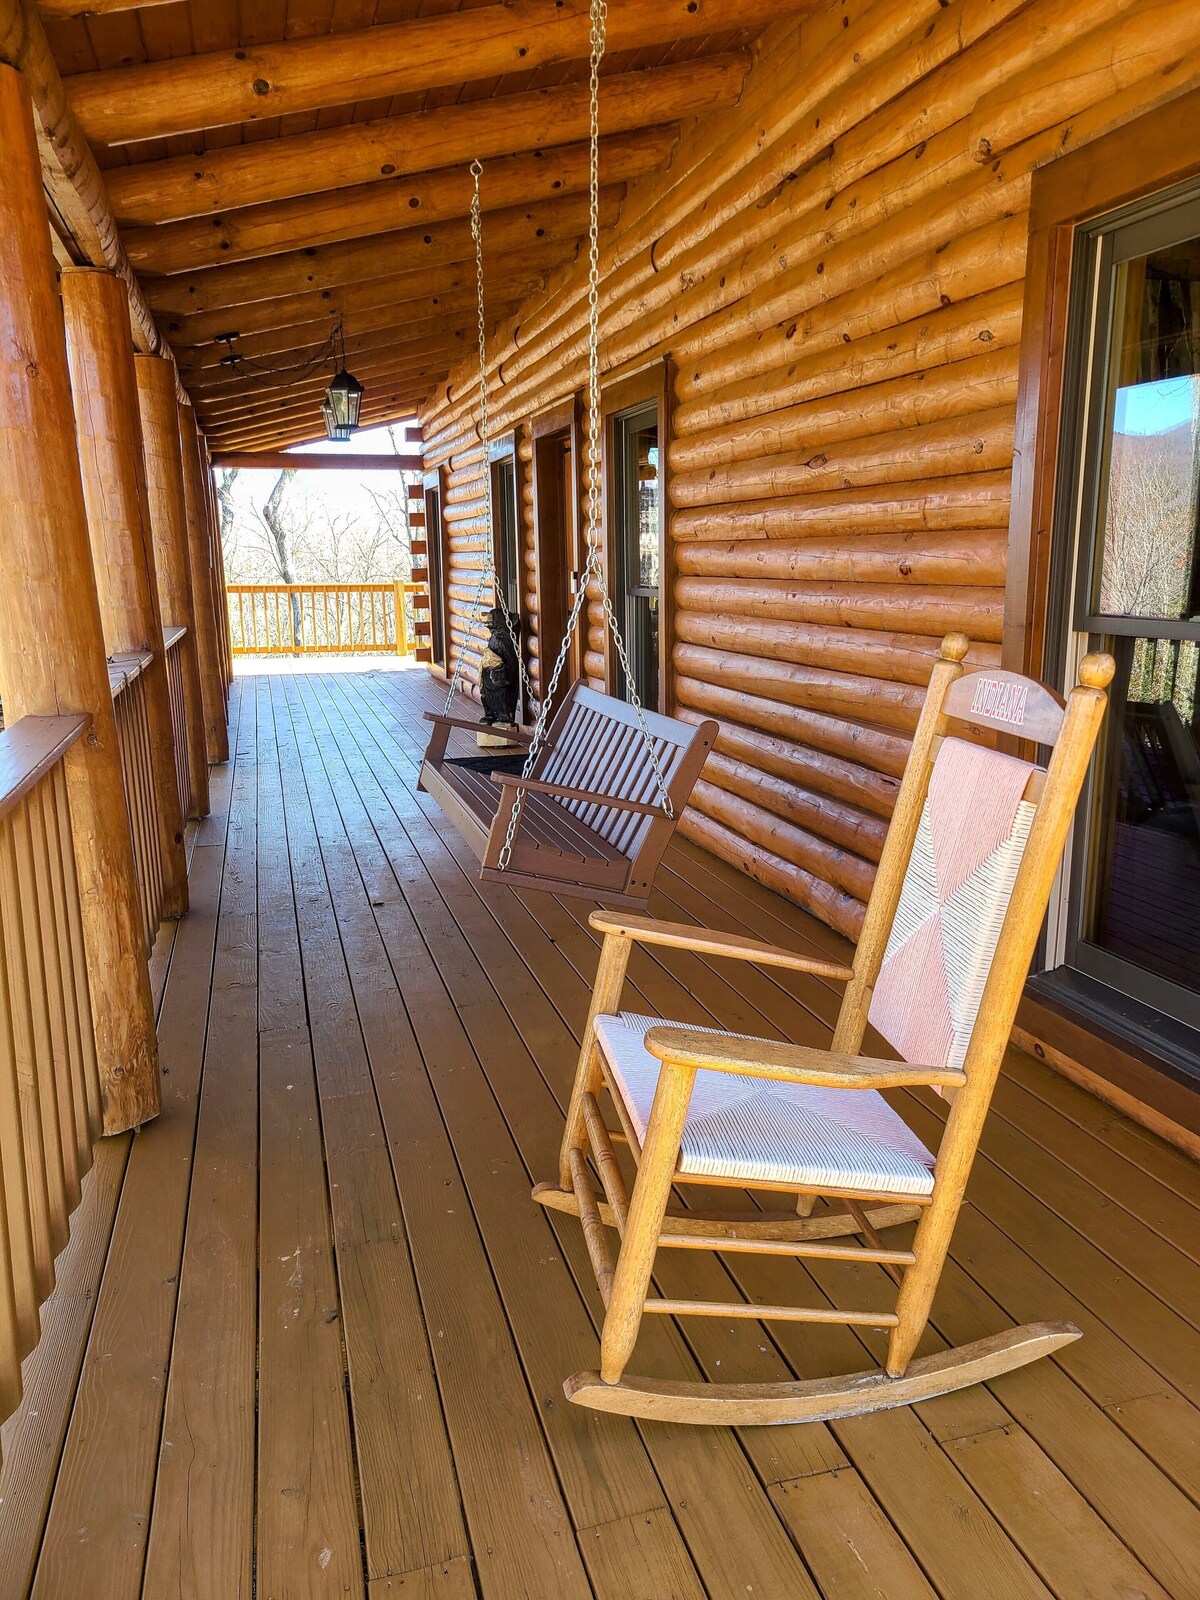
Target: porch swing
[{"x": 603, "y": 781}]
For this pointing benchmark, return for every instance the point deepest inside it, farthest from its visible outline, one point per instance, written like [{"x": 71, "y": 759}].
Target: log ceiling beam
[
  {"x": 375, "y": 208},
  {"x": 227, "y": 386},
  {"x": 278, "y": 461},
  {"x": 389, "y": 148},
  {"x": 160, "y": 99},
  {"x": 264, "y": 405},
  {"x": 304, "y": 424},
  {"x": 69, "y": 9},
  {"x": 417, "y": 318},
  {"x": 421, "y": 290},
  {"x": 71, "y": 179},
  {"x": 330, "y": 266}
]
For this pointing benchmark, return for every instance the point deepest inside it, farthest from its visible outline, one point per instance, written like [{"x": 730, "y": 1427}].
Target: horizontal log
[
  {"x": 891, "y": 54},
  {"x": 955, "y": 332},
  {"x": 275, "y": 460},
  {"x": 385, "y": 206},
  {"x": 157, "y": 100},
  {"x": 407, "y": 250},
  {"x": 74, "y": 185},
  {"x": 733, "y": 290},
  {"x": 970, "y": 263},
  {"x": 257, "y": 400},
  {"x": 867, "y": 798},
  {"x": 978, "y": 500},
  {"x": 816, "y": 815},
  {"x": 917, "y": 399},
  {"x": 915, "y": 559},
  {"x": 391, "y": 148},
  {"x": 840, "y": 694},
  {"x": 979, "y": 613},
  {"x": 833, "y": 906},
  {"x": 309, "y": 369},
  {"x": 421, "y": 291},
  {"x": 983, "y": 442},
  {"x": 417, "y": 319},
  {"x": 895, "y": 657},
  {"x": 721, "y": 795},
  {"x": 871, "y": 747},
  {"x": 303, "y": 423}
]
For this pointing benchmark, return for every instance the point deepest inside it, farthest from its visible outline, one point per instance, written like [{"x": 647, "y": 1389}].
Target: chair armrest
[
  {"x": 709, "y": 942},
  {"x": 791, "y": 1063},
  {"x": 560, "y": 791},
  {"x": 513, "y": 735}
]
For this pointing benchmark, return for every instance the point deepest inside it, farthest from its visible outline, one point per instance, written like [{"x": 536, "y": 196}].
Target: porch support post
[
  {"x": 199, "y": 548},
  {"x": 104, "y": 387},
  {"x": 168, "y": 520},
  {"x": 220, "y": 602},
  {"x": 52, "y": 657}
]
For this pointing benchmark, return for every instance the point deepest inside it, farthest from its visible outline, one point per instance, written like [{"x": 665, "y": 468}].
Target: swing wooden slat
[{"x": 590, "y": 824}]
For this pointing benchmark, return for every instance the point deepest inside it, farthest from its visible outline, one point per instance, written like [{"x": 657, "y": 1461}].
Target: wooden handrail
[
  {"x": 321, "y": 618},
  {"x": 28, "y": 751},
  {"x": 50, "y": 1106}
]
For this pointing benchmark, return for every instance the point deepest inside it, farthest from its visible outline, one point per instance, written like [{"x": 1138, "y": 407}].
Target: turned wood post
[
  {"x": 199, "y": 548},
  {"x": 104, "y": 387},
  {"x": 168, "y": 520},
  {"x": 52, "y": 657}
]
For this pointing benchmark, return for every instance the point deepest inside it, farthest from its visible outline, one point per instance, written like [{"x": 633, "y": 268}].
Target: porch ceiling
[{"x": 276, "y": 164}]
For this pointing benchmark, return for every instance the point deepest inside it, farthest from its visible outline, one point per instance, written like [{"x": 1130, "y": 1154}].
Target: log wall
[{"x": 835, "y": 268}]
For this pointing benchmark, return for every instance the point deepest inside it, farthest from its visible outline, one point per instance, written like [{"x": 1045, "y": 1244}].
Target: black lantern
[
  {"x": 341, "y": 404},
  {"x": 343, "y": 398}
]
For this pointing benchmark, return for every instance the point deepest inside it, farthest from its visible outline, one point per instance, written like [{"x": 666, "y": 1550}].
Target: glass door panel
[
  {"x": 1134, "y": 912},
  {"x": 638, "y": 547}
]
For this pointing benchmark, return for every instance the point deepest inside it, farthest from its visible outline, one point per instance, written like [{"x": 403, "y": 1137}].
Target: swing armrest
[
  {"x": 714, "y": 1051},
  {"x": 513, "y": 735},
  {"x": 708, "y": 942},
  {"x": 560, "y": 791}
]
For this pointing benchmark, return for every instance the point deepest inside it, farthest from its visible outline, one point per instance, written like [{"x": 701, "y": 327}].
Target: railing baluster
[
  {"x": 18, "y": 1190},
  {"x": 42, "y": 1188},
  {"x": 73, "y": 1013},
  {"x": 58, "y": 1069},
  {"x": 50, "y": 1111},
  {"x": 83, "y": 999}
]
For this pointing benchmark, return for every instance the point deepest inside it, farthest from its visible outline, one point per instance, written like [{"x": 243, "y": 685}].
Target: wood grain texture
[{"x": 51, "y": 597}]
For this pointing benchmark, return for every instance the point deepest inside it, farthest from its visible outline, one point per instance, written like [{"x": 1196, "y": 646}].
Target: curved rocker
[
  {"x": 973, "y": 848},
  {"x": 741, "y": 1405}
]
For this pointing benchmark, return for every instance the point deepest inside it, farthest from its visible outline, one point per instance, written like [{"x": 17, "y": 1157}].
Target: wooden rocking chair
[{"x": 949, "y": 933}]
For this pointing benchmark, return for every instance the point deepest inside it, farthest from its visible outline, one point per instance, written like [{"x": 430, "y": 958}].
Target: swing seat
[
  {"x": 959, "y": 898},
  {"x": 591, "y": 823}
]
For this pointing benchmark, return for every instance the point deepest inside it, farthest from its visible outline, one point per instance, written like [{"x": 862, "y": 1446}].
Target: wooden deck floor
[{"x": 310, "y": 1333}]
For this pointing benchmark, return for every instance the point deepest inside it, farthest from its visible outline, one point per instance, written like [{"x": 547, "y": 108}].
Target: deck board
[{"x": 308, "y": 1336}]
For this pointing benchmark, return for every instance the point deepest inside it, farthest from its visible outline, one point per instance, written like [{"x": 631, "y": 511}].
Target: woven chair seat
[{"x": 755, "y": 1130}]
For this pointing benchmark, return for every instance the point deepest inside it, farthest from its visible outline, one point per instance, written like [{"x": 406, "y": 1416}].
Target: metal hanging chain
[
  {"x": 594, "y": 566},
  {"x": 488, "y": 570}
]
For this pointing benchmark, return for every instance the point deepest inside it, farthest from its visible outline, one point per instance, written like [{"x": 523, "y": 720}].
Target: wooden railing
[
  {"x": 323, "y": 619},
  {"x": 172, "y": 637},
  {"x": 50, "y": 1115},
  {"x": 137, "y": 767}
]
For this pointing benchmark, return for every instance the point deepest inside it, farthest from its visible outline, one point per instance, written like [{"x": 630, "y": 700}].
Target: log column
[
  {"x": 52, "y": 657},
  {"x": 199, "y": 546},
  {"x": 220, "y": 597},
  {"x": 168, "y": 520},
  {"x": 104, "y": 386}
]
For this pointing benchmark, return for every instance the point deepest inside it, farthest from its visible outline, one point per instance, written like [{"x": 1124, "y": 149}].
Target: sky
[
  {"x": 341, "y": 491},
  {"x": 1156, "y": 407}
]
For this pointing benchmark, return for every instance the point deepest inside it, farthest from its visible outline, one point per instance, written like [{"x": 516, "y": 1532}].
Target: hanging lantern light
[{"x": 343, "y": 398}]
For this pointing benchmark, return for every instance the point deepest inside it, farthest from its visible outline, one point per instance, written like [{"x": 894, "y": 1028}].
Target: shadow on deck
[{"x": 310, "y": 1333}]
